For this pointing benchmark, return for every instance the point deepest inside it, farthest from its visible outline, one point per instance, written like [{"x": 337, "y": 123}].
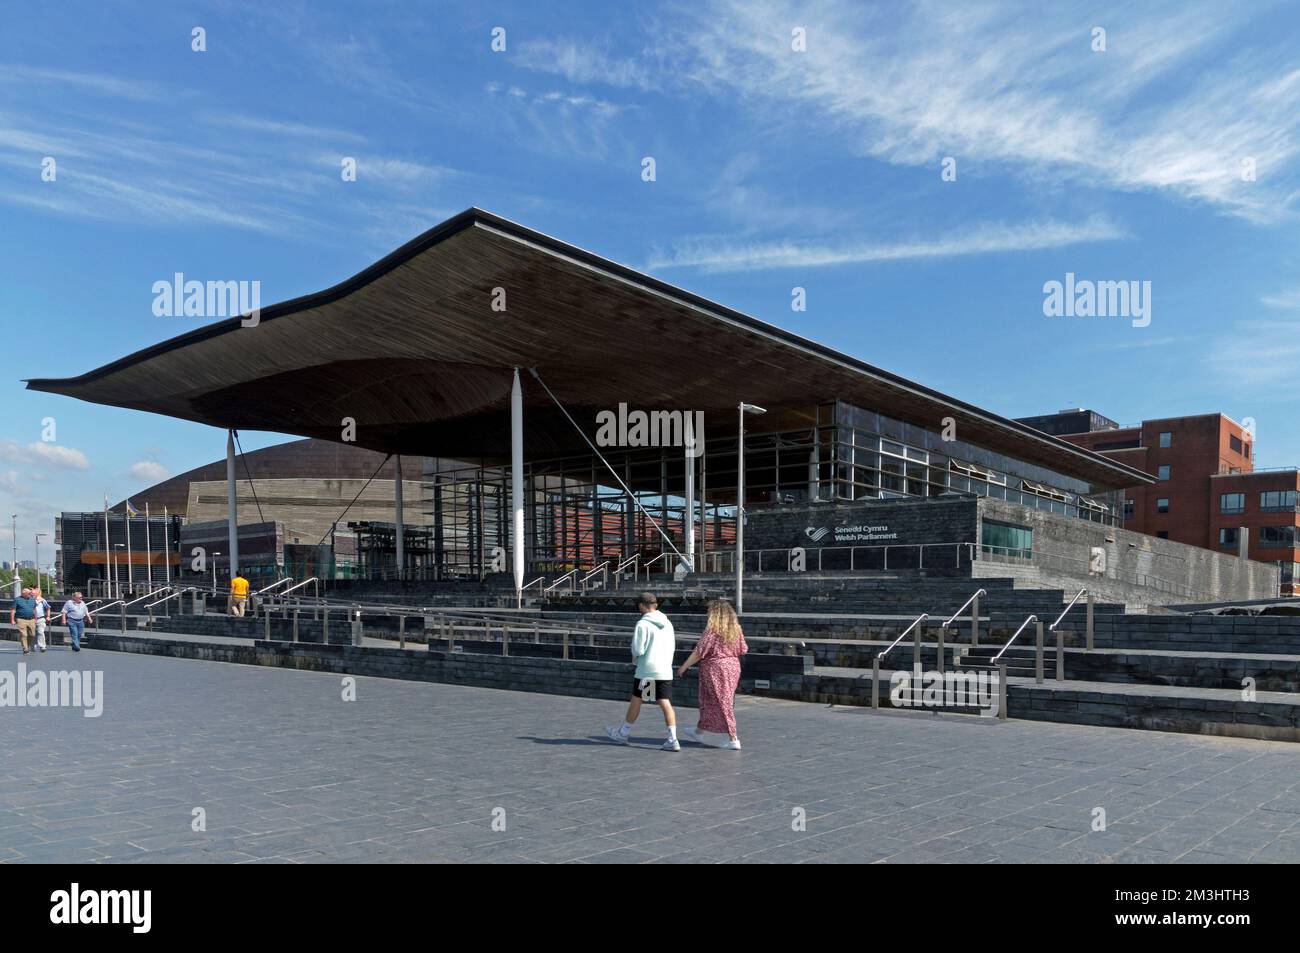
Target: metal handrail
[
  {"x": 536, "y": 582},
  {"x": 278, "y": 582},
  {"x": 178, "y": 592},
  {"x": 314, "y": 579},
  {"x": 1077, "y": 596},
  {"x": 977, "y": 594},
  {"x": 1023, "y": 625},
  {"x": 633, "y": 560},
  {"x": 602, "y": 570},
  {"x": 653, "y": 561},
  {"x": 571, "y": 572},
  {"x": 915, "y": 622}
]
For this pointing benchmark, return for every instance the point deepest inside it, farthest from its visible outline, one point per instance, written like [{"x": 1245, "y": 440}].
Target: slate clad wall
[{"x": 900, "y": 524}]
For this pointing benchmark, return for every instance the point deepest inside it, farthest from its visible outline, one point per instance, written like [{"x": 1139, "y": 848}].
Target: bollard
[
  {"x": 356, "y": 628},
  {"x": 295, "y": 625},
  {"x": 325, "y": 628},
  {"x": 875, "y": 682},
  {"x": 266, "y": 625},
  {"x": 1092, "y": 600},
  {"x": 1038, "y": 654},
  {"x": 451, "y": 636},
  {"x": 565, "y": 654},
  {"x": 122, "y": 607},
  {"x": 943, "y": 629},
  {"x": 1002, "y": 690},
  {"x": 505, "y": 640},
  {"x": 401, "y": 631},
  {"x": 537, "y": 634},
  {"x": 1060, "y": 655},
  {"x": 975, "y": 621},
  {"x": 916, "y": 644}
]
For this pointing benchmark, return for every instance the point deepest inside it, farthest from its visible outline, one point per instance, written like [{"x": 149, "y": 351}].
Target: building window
[
  {"x": 1007, "y": 539},
  {"x": 1163, "y": 473},
  {"x": 1232, "y": 503},
  {"x": 1277, "y": 501},
  {"x": 1278, "y": 537},
  {"x": 1162, "y": 505},
  {"x": 1166, "y": 439},
  {"x": 1128, "y": 509},
  {"x": 1235, "y": 444},
  {"x": 1290, "y": 573},
  {"x": 1229, "y": 538}
]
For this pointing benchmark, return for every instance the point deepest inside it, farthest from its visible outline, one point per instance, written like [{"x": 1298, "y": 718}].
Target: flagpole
[
  {"x": 167, "y": 546},
  {"x": 148, "y": 548},
  {"x": 129, "y": 574},
  {"x": 108, "y": 548}
]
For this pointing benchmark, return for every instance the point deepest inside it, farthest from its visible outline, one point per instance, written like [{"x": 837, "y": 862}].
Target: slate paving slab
[{"x": 286, "y": 771}]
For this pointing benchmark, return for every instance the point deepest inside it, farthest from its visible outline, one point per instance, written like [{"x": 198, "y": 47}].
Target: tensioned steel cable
[
  {"x": 357, "y": 497},
  {"x": 251, "y": 486},
  {"x": 608, "y": 466}
]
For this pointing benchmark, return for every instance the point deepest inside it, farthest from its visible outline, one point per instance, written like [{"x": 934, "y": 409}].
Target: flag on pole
[{"x": 130, "y": 509}]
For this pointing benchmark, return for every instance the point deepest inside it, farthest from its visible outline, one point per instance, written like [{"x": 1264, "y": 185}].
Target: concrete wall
[{"x": 1140, "y": 570}]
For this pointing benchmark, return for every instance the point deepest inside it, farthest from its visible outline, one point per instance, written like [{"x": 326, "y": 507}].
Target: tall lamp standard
[
  {"x": 740, "y": 503},
  {"x": 117, "y": 582},
  {"x": 38, "y": 558},
  {"x": 17, "y": 584}
]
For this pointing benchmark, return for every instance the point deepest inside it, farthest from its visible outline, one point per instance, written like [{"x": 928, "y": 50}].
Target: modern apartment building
[{"x": 1207, "y": 491}]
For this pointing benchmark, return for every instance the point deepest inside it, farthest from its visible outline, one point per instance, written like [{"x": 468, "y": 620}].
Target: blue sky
[{"x": 775, "y": 168}]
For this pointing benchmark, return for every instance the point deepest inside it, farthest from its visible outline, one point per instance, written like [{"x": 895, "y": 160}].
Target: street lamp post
[
  {"x": 37, "y": 559},
  {"x": 117, "y": 582},
  {"x": 740, "y": 503},
  {"x": 17, "y": 583}
]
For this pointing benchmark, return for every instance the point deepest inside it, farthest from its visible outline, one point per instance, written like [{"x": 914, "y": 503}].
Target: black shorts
[{"x": 651, "y": 690}]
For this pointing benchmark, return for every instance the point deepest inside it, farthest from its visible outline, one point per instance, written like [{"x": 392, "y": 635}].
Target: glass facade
[
  {"x": 1007, "y": 539},
  {"x": 580, "y": 515}
]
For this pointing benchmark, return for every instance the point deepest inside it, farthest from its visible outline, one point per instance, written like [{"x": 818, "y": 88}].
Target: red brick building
[{"x": 1207, "y": 493}]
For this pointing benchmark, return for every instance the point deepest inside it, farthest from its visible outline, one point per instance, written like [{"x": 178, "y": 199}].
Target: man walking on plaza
[
  {"x": 42, "y": 617},
  {"x": 238, "y": 594},
  {"x": 653, "y": 645},
  {"x": 75, "y": 615},
  {"x": 23, "y": 615}
]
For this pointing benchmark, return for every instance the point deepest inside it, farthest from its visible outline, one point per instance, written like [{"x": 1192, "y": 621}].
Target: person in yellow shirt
[{"x": 238, "y": 595}]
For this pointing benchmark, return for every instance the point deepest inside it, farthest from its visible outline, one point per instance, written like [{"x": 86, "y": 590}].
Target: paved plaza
[{"x": 285, "y": 770}]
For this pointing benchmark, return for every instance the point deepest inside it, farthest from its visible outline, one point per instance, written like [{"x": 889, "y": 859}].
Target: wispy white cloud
[
  {"x": 150, "y": 471},
  {"x": 43, "y": 454},
  {"x": 581, "y": 61},
  {"x": 724, "y": 255},
  {"x": 15, "y": 74},
  {"x": 1173, "y": 105},
  {"x": 1282, "y": 299}
]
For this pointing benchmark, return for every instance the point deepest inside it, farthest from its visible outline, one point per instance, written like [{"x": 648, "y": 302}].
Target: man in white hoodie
[{"x": 653, "y": 646}]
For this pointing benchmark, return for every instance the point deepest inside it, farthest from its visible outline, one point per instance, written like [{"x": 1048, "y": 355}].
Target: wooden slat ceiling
[{"x": 412, "y": 350}]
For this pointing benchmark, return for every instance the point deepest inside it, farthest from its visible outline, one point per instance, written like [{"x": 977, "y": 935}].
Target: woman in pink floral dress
[{"x": 718, "y": 652}]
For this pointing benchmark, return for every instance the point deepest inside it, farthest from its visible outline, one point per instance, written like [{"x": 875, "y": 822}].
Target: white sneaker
[
  {"x": 672, "y": 744},
  {"x": 731, "y": 745},
  {"x": 614, "y": 735}
]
